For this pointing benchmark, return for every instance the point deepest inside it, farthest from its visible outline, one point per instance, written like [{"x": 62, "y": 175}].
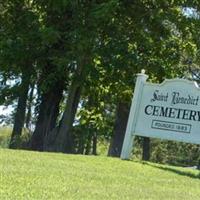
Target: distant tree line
[{"x": 69, "y": 68}]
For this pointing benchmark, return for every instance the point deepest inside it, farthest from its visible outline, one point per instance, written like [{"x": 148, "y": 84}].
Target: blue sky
[{"x": 5, "y": 110}]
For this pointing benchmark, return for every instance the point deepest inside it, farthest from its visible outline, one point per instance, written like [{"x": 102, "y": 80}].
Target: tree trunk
[
  {"x": 64, "y": 140},
  {"x": 81, "y": 144},
  {"x": 146, "y": 149},
  {"x": 48, "y": 113},
  {"x": 29, "y": 106},
  {"x": 198, "y": 165},
  {"x": 20, "y": 111},
  {"x": 94, "y": 144},
  {"x": 119, "y": 129},
  {"x": 88, "y": 145}
]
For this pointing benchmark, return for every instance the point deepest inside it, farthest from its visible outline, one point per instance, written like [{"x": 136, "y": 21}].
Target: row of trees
[{"x": 72, "y": 65}]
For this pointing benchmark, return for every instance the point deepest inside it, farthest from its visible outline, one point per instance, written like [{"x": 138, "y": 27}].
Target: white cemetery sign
[{"x": 170, "y": 110}]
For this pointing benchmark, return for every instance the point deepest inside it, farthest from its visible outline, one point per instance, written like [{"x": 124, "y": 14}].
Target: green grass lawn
[{"x": 28, "y": 175}]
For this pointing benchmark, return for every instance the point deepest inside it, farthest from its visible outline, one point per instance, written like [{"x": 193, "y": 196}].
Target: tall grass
[{"x": 5, "y": 133}]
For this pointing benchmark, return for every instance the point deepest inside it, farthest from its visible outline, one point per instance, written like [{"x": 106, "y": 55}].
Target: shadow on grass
[{"x": 179, "y": 172}]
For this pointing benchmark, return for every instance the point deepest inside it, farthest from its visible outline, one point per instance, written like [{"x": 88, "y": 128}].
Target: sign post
[
  {"x": 130, "y": 129},
  {"x": 170, "y": 110}
]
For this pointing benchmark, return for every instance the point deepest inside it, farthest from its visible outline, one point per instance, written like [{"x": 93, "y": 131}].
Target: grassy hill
[{"x": 30, "y": 175}]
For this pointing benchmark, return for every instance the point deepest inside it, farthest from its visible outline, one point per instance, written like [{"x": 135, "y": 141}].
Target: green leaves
[{"x": 49, "y": 36}]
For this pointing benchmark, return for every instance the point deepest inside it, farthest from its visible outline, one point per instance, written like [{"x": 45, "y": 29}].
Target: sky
[{"x": 5, "y": 110}]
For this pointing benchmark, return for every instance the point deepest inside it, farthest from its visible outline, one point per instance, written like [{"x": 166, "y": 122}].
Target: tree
[
  {"x": 54, "y": 66},
  {"x": 86, "y": 39},
  {"x": 18, "y": 54}
]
